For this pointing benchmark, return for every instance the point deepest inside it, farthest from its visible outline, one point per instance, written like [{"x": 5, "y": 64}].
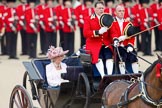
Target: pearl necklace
[{"x": 57, "y": 65}]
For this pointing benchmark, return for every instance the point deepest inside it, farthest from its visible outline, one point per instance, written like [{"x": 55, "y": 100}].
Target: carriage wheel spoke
[
  {"x": 24, "y": 101},
  {"x": 16, "y": 103},
  {"x": 19, "y": 99}
]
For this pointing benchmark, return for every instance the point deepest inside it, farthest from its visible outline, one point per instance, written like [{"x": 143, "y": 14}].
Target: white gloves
[
  {"x": 122, "y": 38},
  {"x": 81, "y": 21},
  {"x": 129, "y": 49},
  {"x": 116, "y": 43},
  {"x": 102, "y": 30}
]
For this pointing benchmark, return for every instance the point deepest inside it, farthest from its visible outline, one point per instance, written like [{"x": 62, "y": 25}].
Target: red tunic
[
  {"x": 39, "y": 10},
  {"x": 10, "y": 19},
  {"x": 115, "y": 32},
  {"x": 154, "y": 7},
  {"x": 79, "y": 14},
  {"x": 159, "y": 17},
  {"x": 67, "y": 18},
  {"x": 50, "y": 19},
  {"x": 21, "y": 15},
  {"x": 110, "y": 11},
  {"x": 93, "y": 42},
  {"x": 31, "y": 18},
  {"x": 135, "y": 10},
  {"x": 59, "y": 10},
  {"x": 146, "y": 17},
  {"x": 88, "y": 12},
  {"x": 2, "y": 9}
]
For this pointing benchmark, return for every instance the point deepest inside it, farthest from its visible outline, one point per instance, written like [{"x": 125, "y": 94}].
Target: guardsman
[
  {"x": 155, "y": 6},
  {"x": 20, "y": 9},
  {"x": 128, "y": 10},
  {"x": 11, "y": 21},
  {"x": 136, "y": 22},
  {"x": 97, "y": 39},
  {"x": 31, "y": 27},
  {"x": 3, "y": 37},
  {"x": 118, "y": 33},
  {"x": 159, "y": 17},
  {"x": 79, "y": 13},
  {"x": 89, "y": 8},
  {"x": 69, "y": 20},
  {"x": 146, "y": 19},
  {"x": 109, "y": 7},
  {"x": 59, "y": 8},
  {"x": 51, "y": 24},
  {"x": 40, "y": 14}
]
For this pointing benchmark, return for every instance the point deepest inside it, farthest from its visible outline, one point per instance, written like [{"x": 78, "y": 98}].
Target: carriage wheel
[
  {"x": 20, "y": 98},
  {"x": 83, "y": 87},
  {"x": 31, "y": 87}
]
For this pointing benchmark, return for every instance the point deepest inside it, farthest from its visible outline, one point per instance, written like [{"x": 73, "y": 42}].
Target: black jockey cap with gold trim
[
  {"x": 106, "y": 20},
  {"x": 130, "y": 30}
]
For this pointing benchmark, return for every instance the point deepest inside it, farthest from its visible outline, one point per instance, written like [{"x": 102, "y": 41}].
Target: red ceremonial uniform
[
  {"x": 50, "y": 19},
  {"x": 39, "y": 9},
  {"x": 21, "y": 15},
  {"x": 88, "y": 12},
  {"x": 31, "y": 19},
  {"x": 135, "y": 10},
  {"x": 79, "y": 14},
  {"x": 115, "y": 32},
  {"x": 59, "y": 10},
  {"x": 146, "y": 18},
  {"x": 110, "y": 11},
  {"x": 155, "y": 7},
  {"x": 159, "y": 17},
  {"x": 11, "y": 20},
  {"x": 69, "y": 22},
  {"x": 1, "y": 17},
  {"x": 94, "y": 42}
]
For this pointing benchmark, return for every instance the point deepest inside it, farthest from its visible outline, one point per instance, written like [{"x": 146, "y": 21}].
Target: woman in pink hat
[
  {"x": 53, "y": 72},
  {"x": 56, "y": 67}
]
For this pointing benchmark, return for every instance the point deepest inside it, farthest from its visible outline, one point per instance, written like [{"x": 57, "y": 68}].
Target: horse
[{"x": 145, "y": 92}]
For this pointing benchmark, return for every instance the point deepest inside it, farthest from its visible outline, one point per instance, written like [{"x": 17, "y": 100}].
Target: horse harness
[{"x": 142, "y": 94}]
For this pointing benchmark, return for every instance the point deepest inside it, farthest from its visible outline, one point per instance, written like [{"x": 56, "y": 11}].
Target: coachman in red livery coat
[
  {"x": 11, "y": 21},
  {"x": 97, "y": 39},
  {"x": 118, "y": 33}
]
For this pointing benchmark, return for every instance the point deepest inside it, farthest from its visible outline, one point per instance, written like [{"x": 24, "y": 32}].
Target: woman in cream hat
[{"x": 56, "y": 67}]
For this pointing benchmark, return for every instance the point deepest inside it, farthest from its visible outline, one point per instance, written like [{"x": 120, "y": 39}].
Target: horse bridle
[{"x": 143, "y": 94}]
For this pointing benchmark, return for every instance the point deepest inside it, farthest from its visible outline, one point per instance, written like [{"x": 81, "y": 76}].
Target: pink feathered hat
[{"x": 55, "y": 52}]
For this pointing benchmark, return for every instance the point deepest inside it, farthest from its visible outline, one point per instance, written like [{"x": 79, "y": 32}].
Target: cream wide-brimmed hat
[{"x": 55, "y": 52}]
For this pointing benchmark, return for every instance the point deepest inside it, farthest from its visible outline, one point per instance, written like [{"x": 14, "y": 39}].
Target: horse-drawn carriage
[{"x": 84, "y": 89}]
